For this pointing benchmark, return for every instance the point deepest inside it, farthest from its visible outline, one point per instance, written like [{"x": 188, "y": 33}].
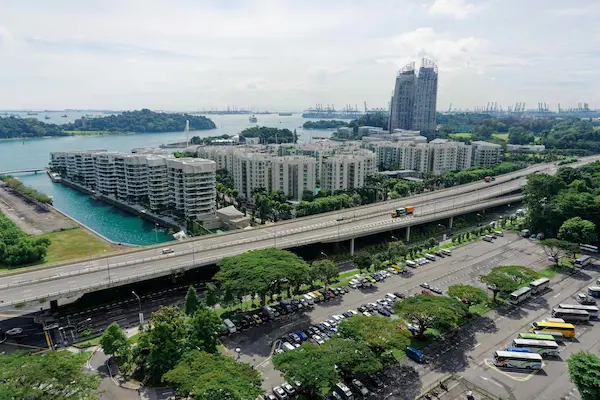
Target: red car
[
  {"x": 427, "y": 292},
  {"x": 331, "y": 294}
]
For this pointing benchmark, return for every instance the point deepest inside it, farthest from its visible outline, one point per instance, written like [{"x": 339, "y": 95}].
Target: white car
[
  {"x": 338, "y": 318},
  {"x": 280, "y": 393},
  {"x": 391, "y": 296},
  {"x": 393, "y": 271},
  {"x": 318, "y": 339},
  {"x": 353, "y": 312},
  {"x": 367, "y": 314}
]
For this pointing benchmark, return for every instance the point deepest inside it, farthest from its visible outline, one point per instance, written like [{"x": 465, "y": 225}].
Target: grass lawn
[
  {"x": 134, "y": 339},
  {"x": 460, "y": 135},
  {"x": 74, "y": 243},
  {"x": 89, "y": 343},
  {"x": 501, "y": 136},
  {"x": 482, "y": 308}
]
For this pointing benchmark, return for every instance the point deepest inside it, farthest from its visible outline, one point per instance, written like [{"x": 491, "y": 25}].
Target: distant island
[
  {"x": 143, "y": 121},
  {"x": 324, "y": 124}
]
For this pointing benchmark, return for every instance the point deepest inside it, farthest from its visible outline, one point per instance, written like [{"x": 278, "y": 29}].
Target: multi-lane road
[{"x": 94, "y": 274}]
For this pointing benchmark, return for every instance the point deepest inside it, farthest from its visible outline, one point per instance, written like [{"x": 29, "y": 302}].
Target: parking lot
[{"x": 256, "y": 345}]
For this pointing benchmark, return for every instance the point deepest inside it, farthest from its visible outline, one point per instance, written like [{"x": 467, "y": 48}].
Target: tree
[
  {"x": 204, "y": 328},
  {"x": 430, "y": 311},
  {"x": 507, "y": 279},
  {"x": 396, "y": 250},
  {"x": 556, "y": 249},
  {"x": 577, "y": 230},
  {"x": 192, "y": 301},
  {"x": 212, "y": 294},
  {"x": 115, "y": 342},
  {"x": 352, "y": 358},
  {"x": 261, "y": 272},
  {"x": 324, "y": 270},
  {"x": 214, "y": 377},
  {"x": 468, "y": 294},
  {"x": 362, "y": 260},
  {"x": 584, "y": 371},
  {"x": 431, "y": 242},
  {"x": 162, "y": 344},
  {"x": 380, "y": 334},
  {"x": 58, "y": 375},
  {"x": 310, "y": 365}
]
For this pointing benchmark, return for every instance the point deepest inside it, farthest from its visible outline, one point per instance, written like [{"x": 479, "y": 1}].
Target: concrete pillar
[
  {"x": 53, "y": 306},
  {"x": 352, "y": 246},
  {"x": 450, "y": 222},
  {"x": 407, "y": 234}
]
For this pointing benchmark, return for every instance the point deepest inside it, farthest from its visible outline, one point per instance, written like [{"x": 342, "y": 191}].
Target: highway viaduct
[{"x": 84, "y": 276}]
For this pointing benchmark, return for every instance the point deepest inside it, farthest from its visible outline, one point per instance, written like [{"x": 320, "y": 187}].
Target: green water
[{"x": 107, "y": 220}]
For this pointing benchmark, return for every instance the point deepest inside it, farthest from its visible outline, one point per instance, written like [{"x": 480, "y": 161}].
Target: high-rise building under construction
[{"x": 414, "y": 99}]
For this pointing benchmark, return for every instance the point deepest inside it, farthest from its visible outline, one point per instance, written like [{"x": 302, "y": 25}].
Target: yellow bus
[{"x": 568, "y": 330}]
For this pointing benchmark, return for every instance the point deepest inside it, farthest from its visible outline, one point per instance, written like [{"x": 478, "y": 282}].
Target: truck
[{"x": 399, "y": 212}]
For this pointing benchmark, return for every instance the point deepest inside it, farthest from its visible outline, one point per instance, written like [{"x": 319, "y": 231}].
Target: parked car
[
  {"x": 303, "y": 336},
  {"x": 280, "y": 393},
  {"x": 367, "y": 314},
  {"x": 399, "y": 295},
  {"x": 257, "y": 319},
  {"x": 415, "y": 354},
  {"x": 437, "y": 290},
  {"x": 270, "y": 396},
  {"x": 295, "y": 337},
  {"x": 358, "y": 385},
  {"x": 318, "y": 339},
  {"x": 362, "y": 308},
  {"x": 424, "y": 285},
  {"x": 375, "y": 382},
  {"x": 427, "y": 292},
  {"x": 289, "y": 389}
]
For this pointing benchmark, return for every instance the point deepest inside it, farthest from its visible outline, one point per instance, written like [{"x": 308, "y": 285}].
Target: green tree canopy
[
  {"x": 425, "y": 311},
  {"x": 115, "y": 342},
  {"x": 362, "y": 260},
  {"x": 468, "y": 294},
  {"x": 324, "y": 270},
  {"x": 396, "y": 250},
  {"x": 192, "y": 301},
  {"x": 380, "y": 334},
  {"x": 351, "y": 357},
  {"x": 214, "y": 377},
  {"x": 261, "y": 272},
  {"x": 507, "y": 279},
  {"x": 584, "y": 371},
  {"x": 310, "y": 365},
  {"x": 577, "y": 230},
  {"x": 204, "y": 329},
  {"x": 58, "y": 375},
  {"x": 162, "y": 344},
  {"x": 557, "y": 249}
]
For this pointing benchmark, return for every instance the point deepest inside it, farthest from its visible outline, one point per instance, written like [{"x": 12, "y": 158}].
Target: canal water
[{"x": 107, "y": 220}]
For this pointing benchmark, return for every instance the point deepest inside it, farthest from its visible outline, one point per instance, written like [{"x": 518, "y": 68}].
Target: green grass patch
[
  {"x": 465, "y": 135},
  {"x": 134, "y": 339},
  {"x": 74, "y": 243},
  {"x": 482, "y": 308},
  {"x": 89, "y": 343},
  {"x": 501, "y": 136}
]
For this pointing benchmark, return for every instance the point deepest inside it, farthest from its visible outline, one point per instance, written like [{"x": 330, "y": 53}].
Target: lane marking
[
  {"x": 555, "y": 296},
  {"x": 490, "y": 380}
]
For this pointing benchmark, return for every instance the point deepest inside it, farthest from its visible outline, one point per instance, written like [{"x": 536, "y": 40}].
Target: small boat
[
  {"x": 31, "y": 113},
  {"x": 64, "y": 116},
  {"x": 46, "y": 117},
  {"x": 253, "y": 119}
]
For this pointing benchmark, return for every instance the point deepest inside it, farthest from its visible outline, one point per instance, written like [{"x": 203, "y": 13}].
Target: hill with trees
[
  {"x": 129, "y": 121},
  {"x": 324, "y": 124},
  {"x": 270, "y": 135}
]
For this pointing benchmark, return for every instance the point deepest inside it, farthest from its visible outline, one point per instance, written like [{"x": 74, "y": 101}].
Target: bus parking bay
[{"x": 552, "y": 381}]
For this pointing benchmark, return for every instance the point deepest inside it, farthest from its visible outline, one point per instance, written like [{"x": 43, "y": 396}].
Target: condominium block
[
  {"x": 106, "y": 173},
  {"x": 158, "y": 182},
  {"x": 347, "y": 171},
  {"x": 251, "y": 171},
  {"x": 293, "y": 175},
  {"x": 81, "y": 167},
  {"x": 486, "y": 154},
  {"x": 192, "y": 186},
  {"x": 448, "y": 156}
]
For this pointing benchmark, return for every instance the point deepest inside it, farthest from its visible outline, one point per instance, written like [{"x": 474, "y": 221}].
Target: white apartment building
[
  {"x": 221, "y": 155},
  {"x": 158, "y": 182},
  {"x": 185, "y": 186},
  {"x": 347, "y": 171},
  {"x": 293, "y": 175},
  {"x": 448, "y": 156},
  {"x": 486, "y": 154},
  {"x": 251, "y": 171},
  {"x": 192, "y": 186}
]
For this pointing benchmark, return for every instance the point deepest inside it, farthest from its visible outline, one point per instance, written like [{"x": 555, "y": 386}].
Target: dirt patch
[{"x": 30, "y": 218}]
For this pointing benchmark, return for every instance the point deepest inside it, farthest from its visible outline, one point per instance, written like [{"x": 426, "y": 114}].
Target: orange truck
[{"x": 399, "y": 212}]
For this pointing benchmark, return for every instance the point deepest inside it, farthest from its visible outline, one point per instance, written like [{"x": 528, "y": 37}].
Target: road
[
  {"x": 91, "y": 275},
  {"x": 109, "y": 389},
  {"x": 464, "y": 266}
]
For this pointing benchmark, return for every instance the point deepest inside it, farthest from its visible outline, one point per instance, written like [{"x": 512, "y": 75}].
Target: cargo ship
[{"x": 285, "y": 114}]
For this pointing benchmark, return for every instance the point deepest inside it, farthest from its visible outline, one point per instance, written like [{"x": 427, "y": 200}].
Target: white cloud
[{"x": 456, "y": 8}]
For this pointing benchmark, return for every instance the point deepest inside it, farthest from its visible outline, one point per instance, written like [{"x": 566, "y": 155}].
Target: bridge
[
  {"x": 22, "y": 171},
  {"x": 91, "y": 275}
]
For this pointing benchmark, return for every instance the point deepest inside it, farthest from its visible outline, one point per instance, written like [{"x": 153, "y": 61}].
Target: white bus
[
  {"x": 411, "y": 263},
  {"x": 542, "y": 347},
  {"x": 539, "y": 285},
  {"x": 446, "y": 252},
  {"x": 592, "y": 310},
  {"x": 571, "y": 315},
  {"x": 518, "y": 296},
  {"x": 594, "y": 291},
  {"x": 588, "y": 248},
  {"x": 509, "y": 359},
  {"x": 583, "y": 261}
]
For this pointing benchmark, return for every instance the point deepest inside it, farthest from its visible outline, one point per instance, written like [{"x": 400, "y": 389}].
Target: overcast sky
[{"x": 289, "y": 55}]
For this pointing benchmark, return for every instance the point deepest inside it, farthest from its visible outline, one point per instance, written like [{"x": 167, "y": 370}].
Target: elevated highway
[{"x": 91, "y": 275}]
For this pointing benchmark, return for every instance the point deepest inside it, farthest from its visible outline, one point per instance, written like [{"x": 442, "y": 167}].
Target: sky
[{"x": 284, "y": 55}]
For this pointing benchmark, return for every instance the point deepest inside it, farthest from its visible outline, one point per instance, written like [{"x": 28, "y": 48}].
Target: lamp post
[
  {"x": 324, "y": 255},
  {"x": 140, "y": 314},
  {"x": 395, "y": 238},
  {"x": 108, "y": 270}
]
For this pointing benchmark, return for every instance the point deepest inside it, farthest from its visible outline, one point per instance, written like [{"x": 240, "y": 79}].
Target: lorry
[{"x": 399, "y": 212}]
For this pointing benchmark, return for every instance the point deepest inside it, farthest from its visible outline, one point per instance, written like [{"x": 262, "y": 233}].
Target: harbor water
[{"x": 107, "y": 220}]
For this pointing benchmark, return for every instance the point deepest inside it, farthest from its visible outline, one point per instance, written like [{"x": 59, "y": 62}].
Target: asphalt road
[
  {"x": 464, "y": 266},
  {"x": 73, "y": 279},
  {"x": 109, "y": 389}
]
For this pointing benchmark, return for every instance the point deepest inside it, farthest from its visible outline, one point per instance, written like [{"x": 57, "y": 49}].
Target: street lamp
[
  {"x": 324, "y": 255},
  {"x": 395, "y": 238},
  {"x": 141, "y": 314}
]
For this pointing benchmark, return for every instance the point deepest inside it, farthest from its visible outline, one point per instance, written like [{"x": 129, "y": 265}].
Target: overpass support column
[
  {"x": 450, "y": 222},
  {"x": 352, "y": 246},
  {"x": 407, "y": 234},
  {"x": 53, "y": 306}
]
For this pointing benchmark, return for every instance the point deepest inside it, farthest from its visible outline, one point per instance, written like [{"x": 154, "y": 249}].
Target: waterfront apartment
[
  {"x": 183, "y": 187},
  {"x": 486, "y": 154},
  {"x": 293, "y": 175},
  {"x": 347, "y": 171}
]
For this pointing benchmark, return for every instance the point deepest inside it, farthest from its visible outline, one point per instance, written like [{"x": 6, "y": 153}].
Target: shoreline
[{"x": 94, "y": 133}]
